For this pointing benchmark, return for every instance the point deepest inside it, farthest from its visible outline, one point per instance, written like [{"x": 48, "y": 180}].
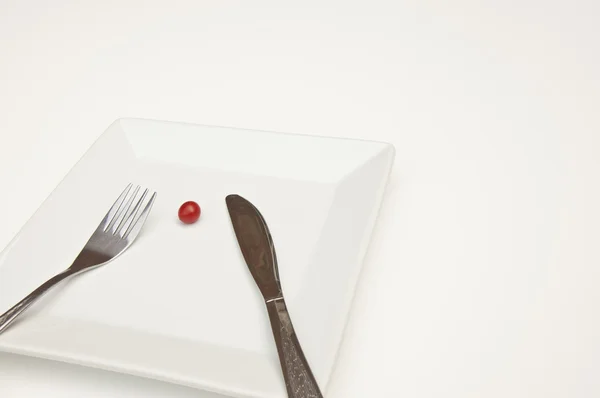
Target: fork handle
[
  {"x": 299, "y": 379},
  {"x": 9, "y": 316}
]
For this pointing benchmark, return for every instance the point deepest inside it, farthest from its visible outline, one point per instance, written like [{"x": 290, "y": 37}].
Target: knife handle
[{"x": 299, "y": 380}]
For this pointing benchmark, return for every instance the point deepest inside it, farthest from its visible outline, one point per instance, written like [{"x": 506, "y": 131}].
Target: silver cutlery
[
  {"x": 112, "y": 237},
  {"x": 258, "y": 250}
]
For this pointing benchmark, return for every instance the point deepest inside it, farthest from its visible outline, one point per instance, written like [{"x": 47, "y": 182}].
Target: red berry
[{"x": 189, "y": 212}]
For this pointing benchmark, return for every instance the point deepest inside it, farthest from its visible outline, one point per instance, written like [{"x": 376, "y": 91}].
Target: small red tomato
[{"x": 189, "y": 212}]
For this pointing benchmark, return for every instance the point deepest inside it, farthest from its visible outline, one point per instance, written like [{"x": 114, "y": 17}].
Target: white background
[{"x": 482, "y": 278}]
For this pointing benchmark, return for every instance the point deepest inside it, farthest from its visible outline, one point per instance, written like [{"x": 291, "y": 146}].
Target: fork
[{"x": 116, "y": 232}]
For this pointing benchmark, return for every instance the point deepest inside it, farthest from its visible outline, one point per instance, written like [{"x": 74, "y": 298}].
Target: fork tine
[
  {"x": 138, "y": 222},
  {"x": 115, "y": 207},
  {"x": 120, "y": 211},
  {"x": 127, "y": 210},
  {"x": 128, "y": 220}
]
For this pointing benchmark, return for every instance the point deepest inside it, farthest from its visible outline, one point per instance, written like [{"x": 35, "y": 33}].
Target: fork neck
[{"x": 87, "y": 259}]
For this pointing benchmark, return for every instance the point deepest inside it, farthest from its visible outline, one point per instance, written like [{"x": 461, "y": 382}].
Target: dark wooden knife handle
[{"x": 299, "y": 380}]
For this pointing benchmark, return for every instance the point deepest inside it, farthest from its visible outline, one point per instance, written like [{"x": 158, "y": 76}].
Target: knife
[{"x": 257, "y": 247}]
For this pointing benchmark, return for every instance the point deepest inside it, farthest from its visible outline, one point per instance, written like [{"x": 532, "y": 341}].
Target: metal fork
[{"x": 114, "y": 235}]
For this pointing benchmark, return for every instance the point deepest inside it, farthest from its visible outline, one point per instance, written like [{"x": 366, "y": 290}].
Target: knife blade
[{"x": 258, "y": 250}]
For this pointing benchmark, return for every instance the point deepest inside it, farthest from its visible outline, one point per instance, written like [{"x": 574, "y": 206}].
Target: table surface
[{"x": 481, "y": 277}]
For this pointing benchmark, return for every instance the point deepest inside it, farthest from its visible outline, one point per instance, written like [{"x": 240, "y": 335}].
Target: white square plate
[{"x": 180, "y": 305}]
